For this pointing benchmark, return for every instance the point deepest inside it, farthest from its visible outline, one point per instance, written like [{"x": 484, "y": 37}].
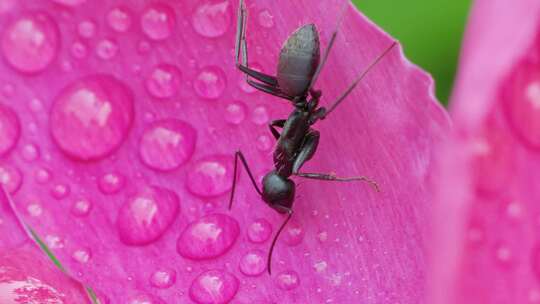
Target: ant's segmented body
[{"x": 298, "y": 69}]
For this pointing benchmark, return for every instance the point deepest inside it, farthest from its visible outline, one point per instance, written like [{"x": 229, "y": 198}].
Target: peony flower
[{"x": 118, "y": 126}]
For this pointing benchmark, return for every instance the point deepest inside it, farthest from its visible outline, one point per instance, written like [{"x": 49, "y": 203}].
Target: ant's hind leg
[
  {"x": 238, "y": 155},
  {"x": 333, "y": 177}
]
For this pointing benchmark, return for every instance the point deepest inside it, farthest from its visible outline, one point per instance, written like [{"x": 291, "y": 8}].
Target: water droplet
[
  {"x": 266, "y": 19},
  {"x": 81, "y": 207},
  {"x": 208, "y": 237},
  {"x": 235, "y": 112},
  {"x": 259, "y": 231},
  {"x": 288, "y": 280},
  {"x": 54, "y": 242},
  {"x": 211, "y": 176},
  {"x": 70, "y": 2},
  {"x": 60, "y": 191},
  {"x": 42, "y": 176},
  {"x": 35, "y": 105},
  {"x": 322, "y": 236},
  {"x": 210, "y": 83},
  {"x": 30, "y": 152},
  {"x": 9, "y": 129},
  {"x": 119, "y": 19},
  {"x": 253, "y": 263},
  {"x": 87, "y": 29},
  {"x": 503, "y": 254},
  {"x": 106, "y": 49},
  {"x": 158, "y": 21},
  {"x": 320, "y": 266},
  {"x": 79, "y": 50},
  {"x": 34, "y": 209},
  {"x": 212, "y": 19},
  {"x": 163, "y": 81},
  {"x": 293, "y": 234},
  {"x": 214, "y": 286},
  {"x": 260, "y": 115},
  {"x": 146, "y": 216},
  {"x": 30, "y": 43},
  {"x": 264, "y": 143},
  {"x": 163, "y": 278},
  {"x": 92, "y": 116},
  {"x": 82, "y": 255},
  {"x": 514, "y": 210},
  {"x": 10, "y": 178},
  {"x": 167, "y": 144},
  {"x": 111, "y": 183}
]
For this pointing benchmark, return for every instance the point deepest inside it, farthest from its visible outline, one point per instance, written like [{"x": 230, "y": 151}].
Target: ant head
[{"x": 278, "y": 192}]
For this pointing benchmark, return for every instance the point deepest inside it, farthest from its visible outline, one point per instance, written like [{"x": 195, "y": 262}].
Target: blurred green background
[{"x": 430, "y": 31}]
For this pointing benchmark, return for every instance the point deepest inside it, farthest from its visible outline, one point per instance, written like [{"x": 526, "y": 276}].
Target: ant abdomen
[{"x": 278, "y": 191}]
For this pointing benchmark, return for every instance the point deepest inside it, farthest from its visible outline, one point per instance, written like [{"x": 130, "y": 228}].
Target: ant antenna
[
  {"x": 359, "y": 78},
  {"x": 269, "y": 260}
]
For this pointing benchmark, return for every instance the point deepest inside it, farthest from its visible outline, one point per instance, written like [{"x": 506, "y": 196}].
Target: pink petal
[
  {"x": 94, "y": 119},
  {"x": 486, "y": 245}
]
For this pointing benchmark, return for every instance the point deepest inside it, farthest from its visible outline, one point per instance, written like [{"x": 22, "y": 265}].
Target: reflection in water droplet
[
  {"x": 146, "y": 216},
  {"x": 212, "y": 19},
  {"x": 259, "y": 231},
  {"x": 208, "y": 237},
  {"x": 30, "y": 43},
  {"x": 86, "y": 29},
  {"x": 266, "y": 19},
  {"x": 81, "y": 207},
  {"x": 260, "y": 115},
  {"x": 211, "y": 176},
  {"x": 235, "y": 112},
  {"x": 10, "y": 178},
  {"x": 163, "y": 278},
  {"x": 106, "y": 49},
  {"x": 288, "y": 280},
  {"x": 111, "y": 183},
  {"x": 214, "y": 286},
  {"x": 9, "y": 129},
  {"x": 82, "y": 255},
  {"x": 91, "y": 117},
  {"x": 253, "y": 263},
  {"x": 210, "y": 83},
  {"x": 167, "y": 144},
  {"x": 119, "y": 19},
  {"x": 158, "y": 21},
  {"x": 163, "y": 81}
]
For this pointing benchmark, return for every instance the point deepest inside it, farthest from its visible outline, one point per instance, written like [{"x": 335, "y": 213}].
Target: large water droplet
[
  {"x": 253, "y": 263},
  {"x": 111, "y": 183},
  {"x": 119, "y": 19},
  {"x": 212, "y": 19},
  {"x": 163, "y": 81},
  {"x": 145, "y": 217},
  {"x": 30, "y": 43},
  {"x": 210, "y": 82},
  {"x": 214, "y": 287},
  {"x": 259, "y": 231},
  {"x": 10, "y": 178},
  {"x": 92, "y": 116},
  {"x": 211, "y": 176},
  {"x": 81, "y": 207},
  {"x": 288, "y": 280},
  {"x": 9, "y": 129},
  {"x": 158, "y": 21},
  {"x": 163, "y": 278},
  {"x": 266, "y": 19},
  {"x": 208, "y": 237},
  {"x": 106, "y": 49},
  {"x": 167, "y": 144},
  {"x": 235, "y": 112}
]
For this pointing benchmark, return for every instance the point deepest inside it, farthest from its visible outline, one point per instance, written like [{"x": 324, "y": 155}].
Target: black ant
[{"x": 298, "y": 68}]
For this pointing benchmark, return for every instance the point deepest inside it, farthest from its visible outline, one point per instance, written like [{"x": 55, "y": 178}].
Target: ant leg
[
  {"x": 276, "y": 123},
  {"x": 237, "y": 155},
  {"x": 358, "y": 79},
  {"x": 269, "y": 259},
  {"x": 272, "y": 90},
  {"x": 309, "y": 146},
  {"x": 332, "y": 177}
]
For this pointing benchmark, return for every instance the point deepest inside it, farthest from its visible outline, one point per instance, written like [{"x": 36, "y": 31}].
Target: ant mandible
[{"x": 298, "y": 68}]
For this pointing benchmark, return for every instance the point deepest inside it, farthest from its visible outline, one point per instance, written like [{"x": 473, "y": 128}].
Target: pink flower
[{"x": 118, "y": 129}]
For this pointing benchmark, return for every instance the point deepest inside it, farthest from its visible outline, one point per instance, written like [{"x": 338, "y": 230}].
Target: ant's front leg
[
  {"x": 238, "y": 155},
  {"x": 276, "y": 123}
]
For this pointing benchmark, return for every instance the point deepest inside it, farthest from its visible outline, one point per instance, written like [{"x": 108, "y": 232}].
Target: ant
[{"x": 298, "y": 69}]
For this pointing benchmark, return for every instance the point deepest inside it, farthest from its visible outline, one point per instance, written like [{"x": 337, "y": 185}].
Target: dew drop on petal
[
  {"x": 10, "y": 178},
  {"x": 79, "y": 50},
  {"x": 503, "y": 255},
  {"x": 81, "y": 255},
  {"x": 81, "y": 207},
  {"x": 264, "y": 143},
  {"x": 293, "y": 234},
  {"x": 163, "y": 81},
  {"x": 158, "y": 21},
  {"x": 266, "y": 19},
  {"x": 253, "y": 263},
  {"x": 208, "y": 237},
  {"x": 212, "y": 18},
  {"x": 214, "y": 287},
  {"x": 259, "y": 231},
  {"x": 30, "y": 43},
  {"x": 260, "y": 115},
  {"x": 30, "y": 152},
  {"x": 54, "y": 242},
  {"x": 167, "y": 144},
  {"x": 60, "y": 191},
  {"x": 34, "y": 209},
  {"x": 10, "y": 129},
  {"x": 119, "y": 19},
  {"x": 235, "y": 113},
  {"x": 210, "y": 83},
  {"x": 111, "y": 183},
  {"x": 163, "y": 278},
  {"x": 42, "y": 175},
  {"x": 211, "y": 176},
  {"x": 91, "y": 117},
  {"x": 106, "y": 49},
  {"x": 86, "y": 29},
  {"x": 145, "y": 217},
  {"x": 288, "y": 280}
]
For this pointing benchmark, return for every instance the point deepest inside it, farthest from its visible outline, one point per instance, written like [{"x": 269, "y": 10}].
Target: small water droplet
[
  {"x": 10, "y": 129},
  {"x": 34, "y": 209},
  {"x": 264, "y": 143},
  {"x": 106, "y": 49},
  {"x": 158, "y": 21},
  {"x": 91, "y": 117},
  {"x": 119, "y": 19},
  {"x": 208, "y": 237},
  {"x": 82, "y": 255},
  {"x": 260, "y": 115},
  {"x": 30, "y": 152},
  {"x": 235, "y": 112},
  {"x": 211, "y": 176},
  {"x": 30, "y": 43},
  {"x": 87, "y": 29},
  {"x": 145, "y": 217},
  {"x": 60, "y": 191},
  {"x": 288, "y": 280},
  {"x": 293, "y": 234},
  {"x": 163, "y": 278},
  {"x": 253, "y": 263},
  {"x": 210, "y": 83},
  {"x": 266, "y": 19},
  {"x": 10, "y": 178},
  {"x": 212, "y": 19},
  {"x": 503, "y": 254},
  {"x": 214, "y": 286},
  {"x": 79, "y": 50},
  {"x": 259, "y": 231},
  {"x": 163, "y": 81},
  {"x": 167, "y": 144},
  {"x": 81, "y": 207},
  {"x": 54, "y": 242},
  {"x": 320, "y": 266},
  {"x": 322, "y": 236},
  {"x": 111, "y": 183},
  {"x": 35, "y": 105},
  {"x": 514, "y": 210}
]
